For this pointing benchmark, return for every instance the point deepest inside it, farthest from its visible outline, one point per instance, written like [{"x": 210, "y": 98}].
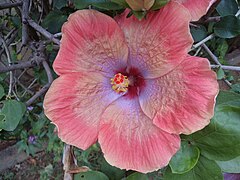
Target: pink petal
[
  {"x": 129, "y": 140},
  {"x": 197, "y": 8},
  {"x": 183, "y": 100},
  {"x": 74, "y": 104},
  {"x": 157, "y": 41},
  {"x": 91, "y": 41}
]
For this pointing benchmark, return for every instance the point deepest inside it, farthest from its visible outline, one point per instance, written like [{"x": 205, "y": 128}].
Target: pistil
[{"x": 120, "y": 83}]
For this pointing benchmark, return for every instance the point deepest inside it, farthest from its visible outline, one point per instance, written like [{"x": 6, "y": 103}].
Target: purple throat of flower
[{"x": 128, "y": 82}]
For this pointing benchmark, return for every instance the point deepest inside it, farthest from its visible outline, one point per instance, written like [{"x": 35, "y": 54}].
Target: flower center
[{"x": 120, "y": 83}]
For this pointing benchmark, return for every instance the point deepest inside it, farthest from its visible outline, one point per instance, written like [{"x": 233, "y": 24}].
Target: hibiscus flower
[{"x": 130, "y": 85}]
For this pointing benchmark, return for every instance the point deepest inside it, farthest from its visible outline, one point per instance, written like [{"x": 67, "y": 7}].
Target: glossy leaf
[
  {"x": 198, "y": 33},
  {"x": 236, "y": 88},
  {"x": 111, "y": 171},
  {"x": 108, "y": 6},
  {"x": 121, "y": 2},
  {"x": 220, "y": 73},
  {"x": 102, "y": 4},
  {"x": 231, "y": 166},
  {"x": 227, "y": 96},
  {"x": 159, "y": 3},
  {"x": 59, "y": 3},
  {"x": 137, "y": 176},
  {"x": 90, "y": 175},
  {"x": 2, "y": 117},
  {"x": 185, "y": 159},
  {"x": 139, "y": 14},
  {"x": 54, "y": 21},
  {"x": 2, "y": 93},
  {"x": 227, "y": 7},
  {"x": 13, "y": 111},
  {"x": 220, "y": 140},
  {"x": 222, "y": 50},
  {"x": 204, "y": 169},
  {"x": 227, "y": 27}
]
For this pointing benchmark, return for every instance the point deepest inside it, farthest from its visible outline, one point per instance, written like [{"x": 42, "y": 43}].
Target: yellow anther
[{"x": 120, "y": 83}]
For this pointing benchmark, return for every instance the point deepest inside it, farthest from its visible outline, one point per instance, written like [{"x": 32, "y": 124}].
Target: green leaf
[
  {"x": 221, "y": 50},
  {"x": 227, "y": 27},
  {"x": 108, "y": 6},
  {"x": 13, "y": 111},
  {"x": 220, "y": 73},
  {"x": 159, "y": 3},
  {"x": 227, "y": 96},
  {"x": 185, "y": 159},
  {"x": 205, "y": 169},
  {"x": 54, "y": 21},
  {"x": 2, "y": 93},
  {"x": 81, "y": 4},
  {"x": 111, "y": 171},
  {"x": 137, "y": 176},
  {"x": 236, "y": 88},
  {"x": 90, "y": 175},
  {"x": 198, "y": 33},
  {"x": 102, "y": 4},
  {"x": 122, "y": 3},
  {"x": 220, "y": 140},
  {"x": 232, "y": 166},
  {"x": 2, "y": 117},
  {"x": 59, "y": 3},
  {"x": 139, "y": 14},
  {"x": 227, "y": 7}
]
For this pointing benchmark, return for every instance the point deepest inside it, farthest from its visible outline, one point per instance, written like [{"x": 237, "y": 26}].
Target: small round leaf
[
  {"x": 13, "y": 111},
  {"x": 185, "y": 159},
  {"x": 137, "y": 176},
  {"x": 90, "y": 175},
  {"x": 204, "y": 169},
  {"x": 227, "y": 27}
]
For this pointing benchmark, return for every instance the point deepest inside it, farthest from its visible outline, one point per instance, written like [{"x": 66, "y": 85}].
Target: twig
[
  {"x": 43, "y": 31},
  {"x": 9, "y": 39},
  {"x": 10, "y": 33},
  {"x": 46, "y": 6},
  {"x": 44, "y": 88},
  {"x": 202, "y": 42},
  {"x": 57, "y": 35},
  {"x": 38, "y": 94},
  {"x": 67, "y": 161},
  {"x": 26, "y": 64},
  {"x": 198, "y": 50},
  {"x": 25, "y": 12},
  {"x": 214, "y": 58},
  {"x": 9, "y": 64},
  {"x": 193, "y": 25},
  {"x": 25, "y": 88},
  {"x": 15, "y": 95},
  {"x": 231, "y": 68},
  {"x": 213, "y": 19},
  {"x": 48, "y": 71},
  {"x": 9, "y": 5},
  {"x": 238, "y": 13},
  {"x": 41, "y": 14},
  {"x": 28, "y": 88}
]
